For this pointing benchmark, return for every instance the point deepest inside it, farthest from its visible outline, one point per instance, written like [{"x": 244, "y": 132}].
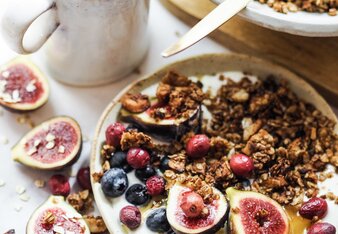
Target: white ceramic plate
[
  {"x": 298, "y": 23},
  {"x": 197, "y": 66}
]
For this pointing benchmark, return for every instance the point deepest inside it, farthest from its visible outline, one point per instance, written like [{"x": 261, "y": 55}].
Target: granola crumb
[
  {"x": 97, "y": 176},
  {"x": 95, "y": 223},
  {"x": 39, "y": 183}
]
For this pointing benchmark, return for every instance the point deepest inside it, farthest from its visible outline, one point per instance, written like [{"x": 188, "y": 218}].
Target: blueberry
[
  {"x": 114, "y": 182},
  {"x": 144, "y": 173},
  {"x": 157, "y": 221},
  {"x": 132, "y": 127},
  {"x": 119, "y": 159},
  {"x": 127, "y": 168},
  {"x": 137, "y": 195},
  {"x": 164, "y": 164}
]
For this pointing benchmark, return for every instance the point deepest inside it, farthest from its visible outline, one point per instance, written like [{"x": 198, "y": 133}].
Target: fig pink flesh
[
  {"x": 65, "y": 135},
  {"x": 258, "y": 216},
  {"x": 19, "y": 77},
  {"x": 61, "y": 219},
  {"x": 198, "y": 222}
]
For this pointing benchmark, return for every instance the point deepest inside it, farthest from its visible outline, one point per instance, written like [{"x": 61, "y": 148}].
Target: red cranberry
[
  {"x": 192, "y": 204},
  {"x": 114, "y": 133},
  {"x": 316, "y": 206},
  {"x": 130, "y": 216},
  {"x": 198, "y": 146},
  {"x": 155, "y": 185},
  {"x": 59, "y": 185},
  {"x": 138, "y": 158},
  {"x": 322, "y": 228},
  {"x": 83, "y": 178},
  {"x": 241, "y": 165}
]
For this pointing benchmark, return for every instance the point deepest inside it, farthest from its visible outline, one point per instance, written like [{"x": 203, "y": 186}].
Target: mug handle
[{"x": 18, "y": 18}]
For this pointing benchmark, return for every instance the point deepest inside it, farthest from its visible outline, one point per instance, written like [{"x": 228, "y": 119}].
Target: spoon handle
[{"x": 222, "y": 13}]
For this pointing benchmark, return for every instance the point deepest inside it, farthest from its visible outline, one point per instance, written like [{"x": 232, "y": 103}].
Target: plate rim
[{"x": 283, "y": 23}]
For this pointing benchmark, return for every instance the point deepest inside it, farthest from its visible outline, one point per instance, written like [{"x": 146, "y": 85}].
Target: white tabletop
[
  {"x": 86, "y": 106},
  {"x": 83, "y": 104}
]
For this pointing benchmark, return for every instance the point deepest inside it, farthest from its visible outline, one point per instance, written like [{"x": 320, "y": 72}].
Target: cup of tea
[{"x": 85, "y": 42}]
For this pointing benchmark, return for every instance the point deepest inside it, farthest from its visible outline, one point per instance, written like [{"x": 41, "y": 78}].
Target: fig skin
[
  {"x": 168, "y": 131},
  {"x": 25, "y": 107},
  {"x": 19, "y": 154}
]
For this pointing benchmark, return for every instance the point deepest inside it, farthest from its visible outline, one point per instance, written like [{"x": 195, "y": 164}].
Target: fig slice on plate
[
  {"x": 22, "y": 86},
  {"x": 56, "y": 216},
  {"x": 210, "y": 222},
  {"x": 167, "y": 128},
  {"x": 53, "y": 144},
  {"x": 252, "y": 212}
]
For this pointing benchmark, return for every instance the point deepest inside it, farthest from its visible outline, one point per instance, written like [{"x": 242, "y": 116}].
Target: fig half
[
  {"x": 252, "y": 212},
  {"x": 53, "y": 144},
  {"x": 169, "y": 128},
  {"x": 23, "y": 87},
  {"x": 210, "y": 223},
  {"x": 56, "y": 216}
]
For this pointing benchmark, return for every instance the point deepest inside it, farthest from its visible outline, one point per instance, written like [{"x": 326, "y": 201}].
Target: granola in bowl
[
  {"x": 285, "y": 6},
  {"x": 255, "y": 151}
]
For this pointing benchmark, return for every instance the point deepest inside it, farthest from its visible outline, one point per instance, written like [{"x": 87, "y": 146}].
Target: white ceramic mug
[{"x": 90, "y": 41}]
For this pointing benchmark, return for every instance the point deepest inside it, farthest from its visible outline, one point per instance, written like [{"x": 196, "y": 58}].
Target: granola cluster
[
  {"x": 288, "y": 139},
  {"x": 177, "y": 96},
  {"x": 285, "y": 6}
]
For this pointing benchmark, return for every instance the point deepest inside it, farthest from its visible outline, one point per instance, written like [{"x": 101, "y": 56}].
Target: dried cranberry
[
  {"x": 59, "y": 185},
  {"x": 316, "y": 206},
  {"x": 83, "y": 178},
  {"x": 322, "y": 228},
  {"x": 138, "y": 158},
  {"x": 155, "y": 185},
  {"x": 114, "y": 133},
  {"x": 198, "y": 146},
  {"x": 241, "y": 165},
  {"x": 192, "y": 204},
  {"x": 130, "y": 216}
]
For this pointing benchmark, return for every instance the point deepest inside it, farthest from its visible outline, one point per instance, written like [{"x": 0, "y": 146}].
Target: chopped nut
[
  {"x": 96, "y": 224},
  {"x": 240, "y": 96},
  {"x": 32, "y": 151},
  {"x": 49, "y": 218},
  {"x": 39, "y": 183},
  {"x": 135, "y": 103},
  {"x": 97, "y": 176},
  {"x": 61, "y": 149},
  {"x": 50, "y": 145},
  {"x": 50, "y": 137}
]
